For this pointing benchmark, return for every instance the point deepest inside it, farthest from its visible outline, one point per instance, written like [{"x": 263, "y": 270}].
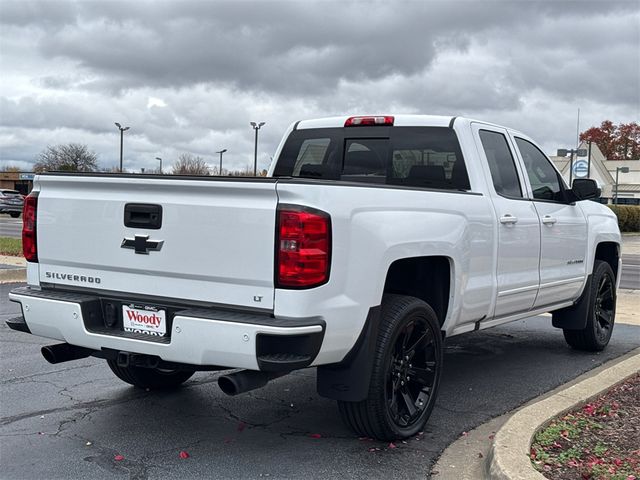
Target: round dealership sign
[{"x": 580, "y": 168}]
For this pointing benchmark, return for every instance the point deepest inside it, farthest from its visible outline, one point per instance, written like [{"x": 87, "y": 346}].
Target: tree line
[{"x": 75, "y": 157}]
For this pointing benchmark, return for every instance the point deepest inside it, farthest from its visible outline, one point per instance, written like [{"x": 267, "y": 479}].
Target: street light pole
[
  {"x": 122, "y": 130},
  {"x": 221, "y": 152},
  {"x": 160, "y": 160},
  {"x": 623, "y": 170},
  {"x": 571, "y": 167},
  {"x": 256, "y": 127},
  {"x": 562, "y": 152}
]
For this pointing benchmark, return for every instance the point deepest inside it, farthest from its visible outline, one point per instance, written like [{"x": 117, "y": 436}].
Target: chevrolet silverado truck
[{"x": 371, "y": 241}]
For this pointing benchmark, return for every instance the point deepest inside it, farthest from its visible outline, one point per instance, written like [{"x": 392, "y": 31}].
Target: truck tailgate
[{"x": 217, "y": 237}]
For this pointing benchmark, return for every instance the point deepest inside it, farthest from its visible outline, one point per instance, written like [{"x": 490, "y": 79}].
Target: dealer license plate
[{"x": 144, "y": 319}]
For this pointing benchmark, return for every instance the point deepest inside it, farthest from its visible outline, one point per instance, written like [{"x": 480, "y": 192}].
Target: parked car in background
[{"x": 11, "y": 202}]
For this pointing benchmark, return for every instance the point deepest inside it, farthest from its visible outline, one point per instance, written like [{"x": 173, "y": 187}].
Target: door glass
[
  {"x": 501, "y": 164},
  {"x": 545, "y": 180}
]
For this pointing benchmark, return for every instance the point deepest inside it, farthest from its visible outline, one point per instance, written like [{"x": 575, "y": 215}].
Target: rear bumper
[{"x": 199, "y": 336}]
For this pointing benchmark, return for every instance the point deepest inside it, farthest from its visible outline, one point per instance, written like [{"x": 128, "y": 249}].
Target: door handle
[
  {"x": 549, "y": 220},
  {"x": 508, "y": 219}
]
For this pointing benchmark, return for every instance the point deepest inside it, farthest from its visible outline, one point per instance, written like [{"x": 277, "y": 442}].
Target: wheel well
[
  {"x": 427, "y": 278},
  {"x": 609, "y": 252}
]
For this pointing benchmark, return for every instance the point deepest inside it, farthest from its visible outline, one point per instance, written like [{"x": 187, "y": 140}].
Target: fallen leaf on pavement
[
  {"x": 184, "y": 454},
  {"x": 118, "y": 458}
]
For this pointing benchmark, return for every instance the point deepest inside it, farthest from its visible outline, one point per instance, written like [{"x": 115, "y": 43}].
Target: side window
[
  {"x": 544, "y": 179},
  {"x": 429, "y": 158},
  {"x": 501, "y": 164}
]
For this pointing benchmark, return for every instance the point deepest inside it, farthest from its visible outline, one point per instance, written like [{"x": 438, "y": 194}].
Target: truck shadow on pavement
[{"x": 73, "y": 419}]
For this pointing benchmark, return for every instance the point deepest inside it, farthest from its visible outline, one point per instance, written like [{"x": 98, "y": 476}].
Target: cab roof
[{"x": 399, "y": 121}]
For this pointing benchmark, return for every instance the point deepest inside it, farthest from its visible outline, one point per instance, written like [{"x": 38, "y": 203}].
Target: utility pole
[
  {"x": 221, "y": 152},
  {"x": 122, "y": 130},
  {"x": 256, "y": 127},
  {"x": 160, "y": 160}
]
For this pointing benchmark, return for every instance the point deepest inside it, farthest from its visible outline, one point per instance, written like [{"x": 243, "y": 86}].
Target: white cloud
[{"x": 190, "y": 76}]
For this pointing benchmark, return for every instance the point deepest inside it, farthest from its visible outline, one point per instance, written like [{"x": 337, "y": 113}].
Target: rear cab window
[{"x": 427, "y": 157}]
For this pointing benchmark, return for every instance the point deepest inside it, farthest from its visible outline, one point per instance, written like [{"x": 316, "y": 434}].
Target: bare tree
[
  {"x": 190, "y": 164},
  {"x": 71, "y": 157},
  {"x": 10, "y": 169}
]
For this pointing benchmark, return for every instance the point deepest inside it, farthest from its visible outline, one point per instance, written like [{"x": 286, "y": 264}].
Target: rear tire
[
  {"x": 595, "y": 336},
  {"x": 14, "y": 214},
  {"x": 406, "y": 372},
  {"x": 151, "y": 378}
]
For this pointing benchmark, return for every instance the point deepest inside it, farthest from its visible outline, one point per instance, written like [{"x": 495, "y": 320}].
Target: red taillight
[
  {"x": 362, "y": 121},
  {"x": 29, "y": 217},
  {"x": 303, "y": 247}
]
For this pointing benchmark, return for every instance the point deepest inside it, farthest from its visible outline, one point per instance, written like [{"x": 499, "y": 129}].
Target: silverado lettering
[{"x": 72, "y": 277}]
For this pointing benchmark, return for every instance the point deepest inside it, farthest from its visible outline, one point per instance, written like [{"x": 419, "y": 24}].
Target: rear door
[
  {"x": 517, "y": 223},
  {"x": 214, "y": 241},
  {"x": 563, "y": 228}
]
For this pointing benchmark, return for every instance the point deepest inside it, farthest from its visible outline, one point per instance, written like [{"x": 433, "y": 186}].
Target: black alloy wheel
[
  {"x": 407, "y": 366},
  {"x": 601, "y": 314},
  {"x": 411, "y": 374},
  {"x": 604, "y": 308}
]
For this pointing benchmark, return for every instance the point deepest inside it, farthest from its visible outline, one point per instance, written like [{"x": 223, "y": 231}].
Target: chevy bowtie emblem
[{"x": 142, "y": 244}]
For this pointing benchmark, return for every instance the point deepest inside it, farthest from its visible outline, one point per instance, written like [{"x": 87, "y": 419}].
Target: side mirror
[{"x": 585, "y": 188}]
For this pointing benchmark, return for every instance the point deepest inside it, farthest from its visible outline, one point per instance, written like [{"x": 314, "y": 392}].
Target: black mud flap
[
  {"x": 348, "y": 380},
  {"x": 575, "y": 316}
]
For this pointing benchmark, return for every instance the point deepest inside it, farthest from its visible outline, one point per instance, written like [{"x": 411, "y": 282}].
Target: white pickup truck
[{"x": 371, "y": 241}]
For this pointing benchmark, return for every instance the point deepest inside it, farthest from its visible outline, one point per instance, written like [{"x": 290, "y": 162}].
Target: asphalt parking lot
[
  {"x": 10, "y": 227},
  {"x": 70, "y": 420}
]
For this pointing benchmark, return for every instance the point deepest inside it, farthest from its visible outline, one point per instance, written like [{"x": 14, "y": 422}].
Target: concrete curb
[{"x": 508, "y": 457}]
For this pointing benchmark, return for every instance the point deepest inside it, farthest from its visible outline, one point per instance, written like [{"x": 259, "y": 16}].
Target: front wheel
[
  {"x": 601, "y": 312},
  {"x": 14, "y": 214},
  {"x": 152, "y": 378},
  {"x": 407, "y": 365}
]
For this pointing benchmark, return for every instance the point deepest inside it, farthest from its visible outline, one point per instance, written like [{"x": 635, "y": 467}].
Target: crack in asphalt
[
  {"x": 35, "y": 375},
  {"x": 101, "y": 403}
]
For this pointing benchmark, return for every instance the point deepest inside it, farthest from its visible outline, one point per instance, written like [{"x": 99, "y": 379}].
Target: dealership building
[
  {"x": 20, "y": 181},
  {"x": 604, "y": 172}
]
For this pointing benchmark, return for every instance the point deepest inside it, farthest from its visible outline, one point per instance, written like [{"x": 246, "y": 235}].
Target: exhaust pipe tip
[
  {"x": 245, "y": 381},
  {"x": 48, "y": 354},
  {"x": 228, "y": 385},
  {"x": 63, "y": 352}
]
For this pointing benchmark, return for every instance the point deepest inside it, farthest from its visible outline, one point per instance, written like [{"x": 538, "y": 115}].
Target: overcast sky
[{"x": 190, "y": 76}]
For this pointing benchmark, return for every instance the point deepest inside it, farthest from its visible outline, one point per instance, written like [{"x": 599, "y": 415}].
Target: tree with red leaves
[{"x": 616, "y": 142}]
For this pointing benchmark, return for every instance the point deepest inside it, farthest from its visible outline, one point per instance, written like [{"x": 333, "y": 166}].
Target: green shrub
[{"x": 628, "y": 217}]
